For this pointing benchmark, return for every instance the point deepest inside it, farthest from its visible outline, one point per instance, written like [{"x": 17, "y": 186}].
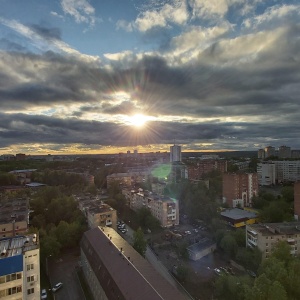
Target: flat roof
[
  {"x": 14, "y": 246},
  {"x": 276, "y": 228},
  {"x": 23, "y": 171},
  {"x": 35, "y": 184},
  {"x": 237, "y": 213},
  {"x": 201, "y": 245},
  {"x": 102, "y": 208},
  {"x": 135, "y": 277}
]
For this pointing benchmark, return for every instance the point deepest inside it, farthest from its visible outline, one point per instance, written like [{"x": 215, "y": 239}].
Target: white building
[
  {"x": 266, "y": 174},
  {"x": 175, "y": 153},
  {"x": 20, "y": 268}
]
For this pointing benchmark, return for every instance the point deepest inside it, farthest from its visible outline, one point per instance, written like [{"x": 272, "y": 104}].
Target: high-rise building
[
  {"x": 20, "y": 268},
  {"x": 269, "y": 151},
  {"x": 266, "y": 173},
  {"x": 261, "y": 153},
  {"x": 239, "y": 188},
  {"x": 297, "y": 200},
  {"x": 175, "y": 153},
  {"x": 284, "y": 152}
]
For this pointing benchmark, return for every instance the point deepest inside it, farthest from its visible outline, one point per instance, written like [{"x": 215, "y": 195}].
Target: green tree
[
  {"x": 229, "y": 245},
  {"x": 139, "y": 242},
  {"x": 182, "y": 273}
]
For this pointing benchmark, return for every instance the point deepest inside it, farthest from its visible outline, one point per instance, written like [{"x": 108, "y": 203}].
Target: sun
[{"x": 138, "y": 120}]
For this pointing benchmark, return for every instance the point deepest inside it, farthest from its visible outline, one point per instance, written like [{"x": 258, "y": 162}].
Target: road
[{"x": 63, "y": 270}]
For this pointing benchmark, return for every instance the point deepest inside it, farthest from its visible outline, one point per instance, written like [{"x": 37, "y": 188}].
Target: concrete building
[
  {"x": 23, "y": 176},
  {"x": 175, "y": 153},
  {"x": 20, "y": 268},
  {"x": 266, "y": 173},
  {"x": 165, "y": 209},
  {"x": 101, "y": 215},
  {"x": 284, "y": 152},
  {"x": 127, "y": 179},
  {"x": 297, "y": 200},
  {"x": 239, "y": 189},
  {"x": 287, "y": 170},
  {"x": 261, "y": 154},
  {"x": 14, "y": 217},
  {"x": 265, "y": 236},
  {"x": 114, "y": 270},
  {"x": 269, "y": 151},
  {"x": 201, "y": 249}
]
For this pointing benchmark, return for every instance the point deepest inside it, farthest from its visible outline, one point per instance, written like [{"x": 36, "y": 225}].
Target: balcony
[{"x": 252, "y": 243}]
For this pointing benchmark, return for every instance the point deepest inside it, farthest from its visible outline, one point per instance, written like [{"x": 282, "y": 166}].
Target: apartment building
[
  {"x": 23, "y": 176},
  {"x": 261, "y": 153},
  {"x": 239, "y": 189},
  {"x": 266, "y": 173},
  {"x": 20, "y": 268},
  {"x": 175, "y": 153},
  {"x": 265, "y": 236},
  {"x": 196, "y": 171},
  {"x": 127, "y": 179},
  {"x": 14, "y": 217},
  {"x": 269, "y": 151},
  {"x": 284, "y": 152},
  {"x": 165, "y": 209},
  {"x": 114, "y": 270}
]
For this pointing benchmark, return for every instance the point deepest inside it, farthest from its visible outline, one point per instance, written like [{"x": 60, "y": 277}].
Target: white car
[
  {"x": 44, "y": 294},
  {"x": 57, "y": 287}
]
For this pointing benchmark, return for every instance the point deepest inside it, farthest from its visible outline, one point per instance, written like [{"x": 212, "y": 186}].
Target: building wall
[
  {"x": 267, "y": 241},
  {"x": 6, "y": 229},
  {"x": 284, "y": 152},
  {"x": 175, "y": 153},
  {"x": 107, "y": 218},
  {"x": 287, "y": 170},
  {"x": 237, "y": 186},
  {"x": 266, "y": 173},
  {"x": 196, "y": 171}
]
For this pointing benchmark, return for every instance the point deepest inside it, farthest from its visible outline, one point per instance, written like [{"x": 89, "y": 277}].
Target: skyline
[{"x": 213, "y": 75}]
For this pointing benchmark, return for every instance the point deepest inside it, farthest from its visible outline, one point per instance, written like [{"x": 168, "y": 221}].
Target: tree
[
  {"x": 229, "y": 245},
  {"x": 139, "y": 243},
  {"x": 182, "y": 273}
]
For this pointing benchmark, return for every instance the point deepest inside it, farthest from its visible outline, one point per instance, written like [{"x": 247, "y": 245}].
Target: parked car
[
  {"x": 218, "y": 271},
  {"x": 44, "y": 294},
  {"x": 57, "y": 287}
]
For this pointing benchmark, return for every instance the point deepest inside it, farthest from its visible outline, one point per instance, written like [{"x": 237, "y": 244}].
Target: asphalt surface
[{"x": 63, "y": 270}]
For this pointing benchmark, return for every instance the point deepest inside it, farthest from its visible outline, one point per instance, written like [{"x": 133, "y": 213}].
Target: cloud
[
  {"x": 173, "y": 12},
  {"x": 125, "y": 25},
  {"x": 81, "y": 10}
]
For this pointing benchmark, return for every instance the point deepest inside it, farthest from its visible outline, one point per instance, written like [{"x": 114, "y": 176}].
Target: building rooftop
[
  {"x": 201, "y": 245},
  {"x": 237, "y": 214},
  {"x": 35, "y": 184},
  {"x": 23, "y": 171},
  {"x": 100, "y": 208},
  {"x": 135, "y": 277},
  {"x": 277, "y": 228},
  {"x": 17, "y": 245}
]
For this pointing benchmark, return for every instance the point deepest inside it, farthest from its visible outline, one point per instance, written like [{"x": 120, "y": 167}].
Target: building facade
[
  {"x": 239, "y": 189},
  {"x": 284, "y": 152},
  {"x": 175, "y": 153},
  {"x": 20, "y": 268},
  {"x": 265, "y": 236},
  {"x": 127, "y": 179},
  {"x": 165, "y": 209},
  {"x": 101, "y": 215},
  {"x": 114, "y": 270},
  {"x": 266, "y": 173},
  {"x": 270, "y": 151}
]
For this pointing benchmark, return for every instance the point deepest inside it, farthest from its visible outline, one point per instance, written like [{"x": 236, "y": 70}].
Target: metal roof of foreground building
[{"x": 134, "y": 276}]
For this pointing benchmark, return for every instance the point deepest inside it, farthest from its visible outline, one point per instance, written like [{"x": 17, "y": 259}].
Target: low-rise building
[
  {"x": 201, "y": 249},
  {"x": 239, "y": 217},
  {"x": 14, "y": 217},
  {"x": 127, "y": 179},
  {"x": 265, "y": 236},
  {"x": 20, "y": 268},
  {"x": 114, "y": 270},
  {"x": 101, "y": 214}
]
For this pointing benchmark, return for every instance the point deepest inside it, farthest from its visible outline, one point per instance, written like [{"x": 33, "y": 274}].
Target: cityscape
[
  {"x": 149, "y": 149},
  {"x": 183, "y": 225}
]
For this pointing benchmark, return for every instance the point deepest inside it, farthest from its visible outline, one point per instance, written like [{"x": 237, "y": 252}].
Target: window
[
  {"x": 30, "y": 278},
  {"x": 3, "y": 229},
  {"x": 30, "y": 291},
  {"x": 30, "y": 267}
]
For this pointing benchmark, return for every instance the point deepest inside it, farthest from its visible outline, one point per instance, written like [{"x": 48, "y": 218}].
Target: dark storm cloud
[{"x": 20, "y": 128}]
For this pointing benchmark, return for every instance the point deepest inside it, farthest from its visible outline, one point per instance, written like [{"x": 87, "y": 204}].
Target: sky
[{"x": 90, "y": 76}]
